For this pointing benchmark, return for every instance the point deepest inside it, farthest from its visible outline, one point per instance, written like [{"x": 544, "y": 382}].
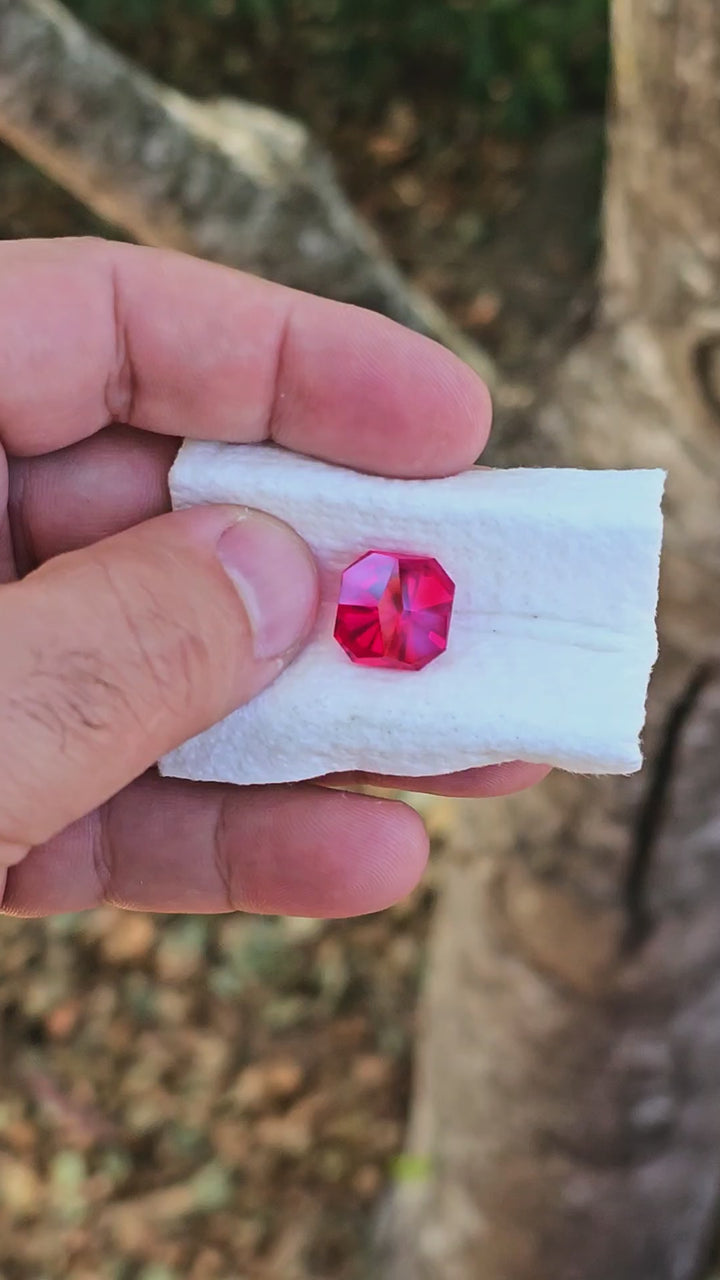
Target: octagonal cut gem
[{"x": 394, "y": 610}]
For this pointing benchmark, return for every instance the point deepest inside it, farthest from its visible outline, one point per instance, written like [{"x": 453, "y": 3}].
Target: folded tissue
[{"x": 550, "y": 646}]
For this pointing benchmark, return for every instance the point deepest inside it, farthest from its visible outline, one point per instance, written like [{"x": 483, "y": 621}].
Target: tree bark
[
  {"x": 225, "y": 180},
  {"x": 566, "y": 1113}
]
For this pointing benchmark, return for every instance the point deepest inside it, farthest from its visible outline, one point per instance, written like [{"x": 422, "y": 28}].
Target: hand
[{"x": 125, "y": 629}]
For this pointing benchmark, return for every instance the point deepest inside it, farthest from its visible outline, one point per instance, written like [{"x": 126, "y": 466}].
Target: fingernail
[{"x": 276, "y": 578}]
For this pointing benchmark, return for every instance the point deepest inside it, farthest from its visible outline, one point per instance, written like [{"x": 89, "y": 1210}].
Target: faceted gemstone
[{"x": 394, "y": 610}]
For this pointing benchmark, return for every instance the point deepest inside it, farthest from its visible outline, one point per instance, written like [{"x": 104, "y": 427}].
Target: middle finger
[{"x": 70, "y": 499}]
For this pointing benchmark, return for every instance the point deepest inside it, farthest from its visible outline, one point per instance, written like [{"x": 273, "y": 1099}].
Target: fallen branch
[{"x": 228, "y": 181}]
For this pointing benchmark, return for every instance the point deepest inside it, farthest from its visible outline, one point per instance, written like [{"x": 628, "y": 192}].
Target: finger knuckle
[
  {"x": 67, "y": 697},
  {"x": 221, "y": 846},
  {"x": 166, "y": 658}
]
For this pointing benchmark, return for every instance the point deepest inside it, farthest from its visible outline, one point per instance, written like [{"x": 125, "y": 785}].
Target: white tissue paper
[{"x": 551, "y": 642}]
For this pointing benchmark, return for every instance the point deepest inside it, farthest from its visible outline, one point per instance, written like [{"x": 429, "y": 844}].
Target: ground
[
  {"x": 225, "y": 1099},
  {"x": 202, "y": 1098}
]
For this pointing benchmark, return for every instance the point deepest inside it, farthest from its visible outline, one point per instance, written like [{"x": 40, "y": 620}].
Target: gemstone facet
[{"x": 394, "y": 610}]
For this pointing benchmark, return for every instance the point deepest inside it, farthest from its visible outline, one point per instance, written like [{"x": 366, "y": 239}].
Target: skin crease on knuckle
[
  {"x": 68, "y": 707},
  {"x": 167, "y": 656},
  {"x": 149, "y": 670},
  {"x": 159, "y": 637}
]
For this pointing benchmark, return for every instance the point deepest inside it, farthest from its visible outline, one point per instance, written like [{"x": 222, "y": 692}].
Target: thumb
[{"x": 112, "y": 655}]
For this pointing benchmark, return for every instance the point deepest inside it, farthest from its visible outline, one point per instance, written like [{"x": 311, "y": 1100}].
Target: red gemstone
[{"x": 394, "y": 611}]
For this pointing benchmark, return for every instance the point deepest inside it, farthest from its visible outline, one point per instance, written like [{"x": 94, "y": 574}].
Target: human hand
[{"x": 125, "y": 629}]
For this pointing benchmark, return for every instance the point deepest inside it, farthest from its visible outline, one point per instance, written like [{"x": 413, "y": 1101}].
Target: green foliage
[
  {"x": 523, "y": 61},
  {"x": 408, "y": 1168}
]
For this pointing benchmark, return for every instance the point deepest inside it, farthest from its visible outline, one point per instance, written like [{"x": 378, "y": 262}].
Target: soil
[
  {"x": 225, "y": 1099},
  {"x": 202, "y": 1098}
]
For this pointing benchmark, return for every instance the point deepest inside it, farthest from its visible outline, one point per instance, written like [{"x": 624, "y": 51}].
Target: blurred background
[
  {"x": 226, "y": 1099},
  {"x": 469, "y": 132}
]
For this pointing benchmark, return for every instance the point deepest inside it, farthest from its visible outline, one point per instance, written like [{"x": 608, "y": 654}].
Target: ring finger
[{"x": 162, "y": 845}]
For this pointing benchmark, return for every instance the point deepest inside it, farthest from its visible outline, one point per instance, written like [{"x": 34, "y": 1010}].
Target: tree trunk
[
  {"x": 225, "y": 180},
  {"x": 566, "y": 1115}
]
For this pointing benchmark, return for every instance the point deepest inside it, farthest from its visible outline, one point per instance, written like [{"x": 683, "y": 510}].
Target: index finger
[{"x": 96, "y": 332}]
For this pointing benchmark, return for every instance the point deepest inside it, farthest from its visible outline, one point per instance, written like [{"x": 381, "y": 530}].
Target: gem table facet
[{"x": 394, "y": 610}]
